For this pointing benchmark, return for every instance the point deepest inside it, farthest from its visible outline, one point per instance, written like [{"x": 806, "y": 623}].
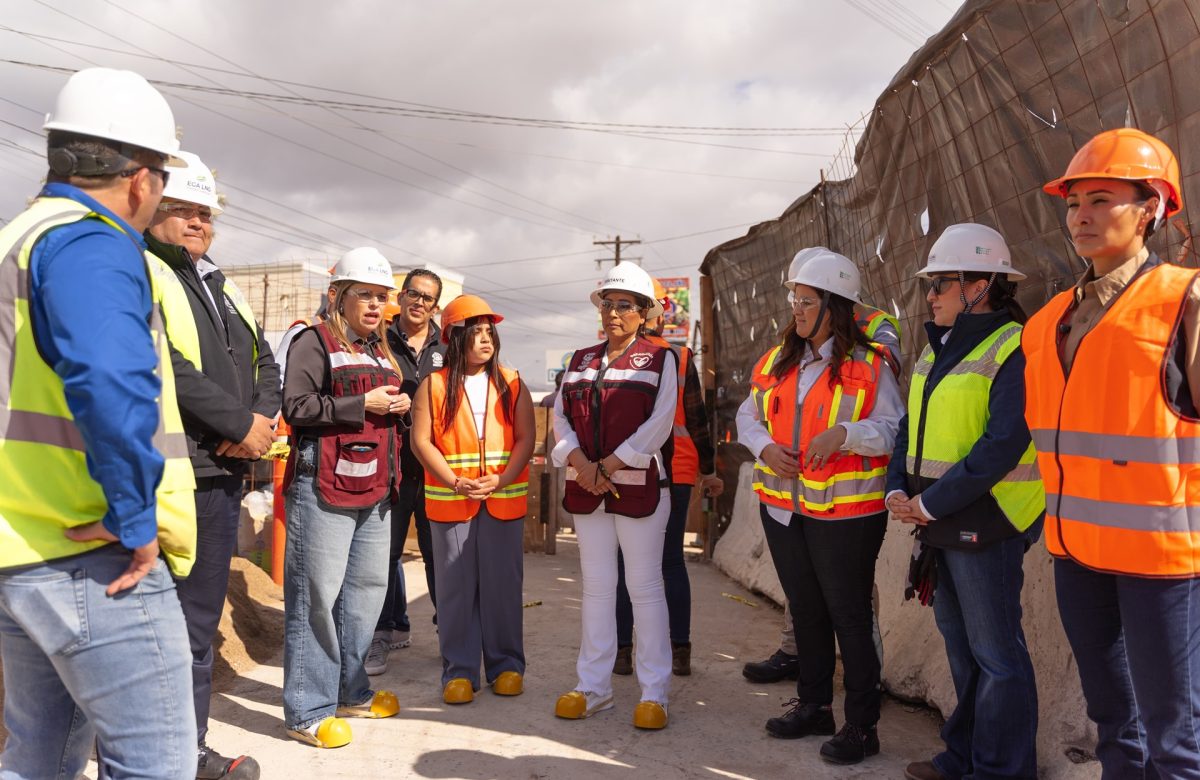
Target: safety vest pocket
[{"x": 356, "y": 466}]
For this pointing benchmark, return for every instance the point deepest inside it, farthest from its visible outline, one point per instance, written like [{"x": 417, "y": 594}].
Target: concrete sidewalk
[{"x": 717, "y": 717}]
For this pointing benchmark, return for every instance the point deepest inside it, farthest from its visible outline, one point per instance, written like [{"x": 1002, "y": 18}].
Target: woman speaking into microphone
[{"x": 613, "y": 421}]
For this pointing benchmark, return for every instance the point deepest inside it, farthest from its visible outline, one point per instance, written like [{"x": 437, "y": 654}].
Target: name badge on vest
[
  {"x": 968, "y": 537},
  {"x": 437, "y": 359}
]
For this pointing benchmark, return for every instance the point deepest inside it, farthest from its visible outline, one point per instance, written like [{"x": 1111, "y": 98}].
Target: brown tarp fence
[{"x": 970, "y": 128}]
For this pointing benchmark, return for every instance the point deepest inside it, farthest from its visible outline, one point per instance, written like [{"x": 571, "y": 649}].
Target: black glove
[{"x": 922, "y": 574}]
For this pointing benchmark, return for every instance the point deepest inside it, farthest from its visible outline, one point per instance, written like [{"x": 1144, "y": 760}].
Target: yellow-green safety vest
[
  {"x": 46, "y": 486},
  {"x": 958, "y": 419},
  {"x": 177, "y": 311}
]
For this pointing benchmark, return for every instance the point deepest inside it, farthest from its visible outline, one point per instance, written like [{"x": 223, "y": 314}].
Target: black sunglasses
[
  {"x": 164, "y": 173},
  {"x": 938, "y": 283}
]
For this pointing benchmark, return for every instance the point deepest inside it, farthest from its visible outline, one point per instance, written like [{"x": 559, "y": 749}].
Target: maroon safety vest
[
  {"x": 605, "y": 407},
  {"x": 356, "y": 467}
]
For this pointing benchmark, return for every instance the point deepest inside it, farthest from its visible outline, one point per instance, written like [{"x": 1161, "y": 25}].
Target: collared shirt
[
  {"x": 306, "y": 399},
  {"x": 1093, "y": 297},
  {"x": 90, "y": 304},
  {"x": 645, "y": 445},
  {"x": 873, "y": 436}
]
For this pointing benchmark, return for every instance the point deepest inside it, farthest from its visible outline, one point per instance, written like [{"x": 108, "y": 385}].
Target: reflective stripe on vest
[
  {"x": 180, "y": 318},
  {"x": 849, "y": 486},
  {"x": 47, "y": 486},
  {"x": 957, "y": 417},
  {"x": 1121, "y": 466},
  {"x": 461, "y": 446},
  {"x": 685, "y": 462}
]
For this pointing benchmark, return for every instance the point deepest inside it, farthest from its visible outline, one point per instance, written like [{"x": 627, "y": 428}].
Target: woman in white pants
[{"x": 613, "y": 420}]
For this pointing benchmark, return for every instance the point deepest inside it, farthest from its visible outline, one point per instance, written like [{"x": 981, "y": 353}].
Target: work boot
[
  {"x": 213, "y": 766},
  {"x": 778, "y": 667},
  {"x": 377, "y": 654},
  {"x": 802, "y": 720},
  {"x": 851, "y": 745},
  {"x": 923, "y": 770},
  {"x": 329, "y": 733},
  {"x": 681, "y": 659},
  {"x": 624, "y": 661},
  {"x": 650, "y": 715}
]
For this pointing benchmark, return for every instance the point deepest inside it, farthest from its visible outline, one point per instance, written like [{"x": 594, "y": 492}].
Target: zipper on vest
[{"x": 797, "y": 420}]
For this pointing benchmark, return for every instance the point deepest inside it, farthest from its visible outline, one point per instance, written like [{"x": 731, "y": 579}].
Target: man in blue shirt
[{"x": 94, "y": 641}]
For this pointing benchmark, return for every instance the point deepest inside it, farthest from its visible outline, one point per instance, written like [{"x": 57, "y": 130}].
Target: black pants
[
  {"x": 827, "y": 570},
  {"x": 202, "y": 594},
  {"x": 411, "y": 504}
]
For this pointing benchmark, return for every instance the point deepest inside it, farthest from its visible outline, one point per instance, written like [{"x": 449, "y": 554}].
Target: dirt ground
[{"x": 717, "y": 717}]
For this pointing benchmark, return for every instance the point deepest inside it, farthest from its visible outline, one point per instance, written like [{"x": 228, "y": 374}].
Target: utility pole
[
  {"x": 616, "y": 244},
  {"x": 266, "y": 286}
]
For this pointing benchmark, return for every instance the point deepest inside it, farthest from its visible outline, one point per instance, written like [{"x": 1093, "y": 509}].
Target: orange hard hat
[
  {"x": 660, "y": 292},
  {"x": 392, "y": 309},
  {"x": 1125, "y": 153},
  {"x": 463, "y": 308}
]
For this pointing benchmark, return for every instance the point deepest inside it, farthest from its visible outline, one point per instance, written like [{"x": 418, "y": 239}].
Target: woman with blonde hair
[{"x": 341, "y": 396}]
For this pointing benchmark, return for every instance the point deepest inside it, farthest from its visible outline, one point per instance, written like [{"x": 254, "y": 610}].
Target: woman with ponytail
[
  {"x": 963, "y": 473},
  {"x": 473, "y": 431}
]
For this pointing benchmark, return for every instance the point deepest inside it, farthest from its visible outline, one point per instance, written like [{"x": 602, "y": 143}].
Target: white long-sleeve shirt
[
  {"x": 646, "y": 442},
  {"x": 873, "y": 436}
]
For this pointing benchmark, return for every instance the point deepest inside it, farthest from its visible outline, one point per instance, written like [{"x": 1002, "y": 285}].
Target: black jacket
[
  {"x": 217, "y": 403},
  {"x": 413, "y": 368},
  {"x": 968, "y": 517}
]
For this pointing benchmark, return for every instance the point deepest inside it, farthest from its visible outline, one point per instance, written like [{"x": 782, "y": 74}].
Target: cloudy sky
[{"x": 476, "y": 135}]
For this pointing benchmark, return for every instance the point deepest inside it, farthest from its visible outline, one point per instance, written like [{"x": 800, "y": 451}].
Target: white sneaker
[
  {"x": 400, "y": 639},
  {"x": 377, "y": 655}
]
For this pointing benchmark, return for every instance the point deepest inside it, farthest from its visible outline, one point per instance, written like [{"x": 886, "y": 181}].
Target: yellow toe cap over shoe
[
  {"x": 458, "y": 691},
  {"x": 650, "y": 715},
  {"x": 329, "y": 733},
  {"x": 580, "y": 704},
  {"x": 571, "y": 705},
  {"x": 383, "y": 704},
  {"x": 509, "y": 684}
]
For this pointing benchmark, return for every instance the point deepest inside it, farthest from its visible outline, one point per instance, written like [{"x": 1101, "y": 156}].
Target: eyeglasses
[
  {"x": 187, "y": 211},
  {"x": 417, "y": 295},
  {"x": 802, "y": 303},
  {"x": 621, "y": 307},
  {"x": 164, "y": 173},
  {"x": 366, "y": 296},
  {"x": 938, "y": 284}
]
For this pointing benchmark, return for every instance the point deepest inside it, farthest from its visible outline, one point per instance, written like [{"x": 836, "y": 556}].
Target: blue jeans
[
  {"x": 675, "y": 577},
  {"x": 335, "y": 575},
  {"x": 80, "y": 666},
  {"x": 992, "y": 732},
  {"x": 1137, "y": 644}
]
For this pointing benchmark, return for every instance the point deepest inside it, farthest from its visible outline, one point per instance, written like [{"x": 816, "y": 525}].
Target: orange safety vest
[
  {"x": 1120, "y": 464},
  {"x": 851, "y": 485},
  {"x": 685, "y": 463},
  {"x": 469, "y": 457}
]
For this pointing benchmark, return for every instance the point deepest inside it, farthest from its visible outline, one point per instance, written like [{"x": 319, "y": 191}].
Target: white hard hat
[
  {"x": 365, "y": 264},
  {"x": 824, "y": 269},
  {"x": 116, "y": 105},
  {"x": 194, "y": 184},
  {"x": 631, "y": 278},
  {"x": 972, "y": 248}
]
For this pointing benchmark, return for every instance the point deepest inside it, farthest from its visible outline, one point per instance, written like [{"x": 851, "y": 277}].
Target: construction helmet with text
[
  {"x": 194, "y": 184},
  {"x": 824, "y": 269},
  {"x": 631, "y": 278},
  {"x": 365, "y": 264},
  {"x": 970, "y": 248}
]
